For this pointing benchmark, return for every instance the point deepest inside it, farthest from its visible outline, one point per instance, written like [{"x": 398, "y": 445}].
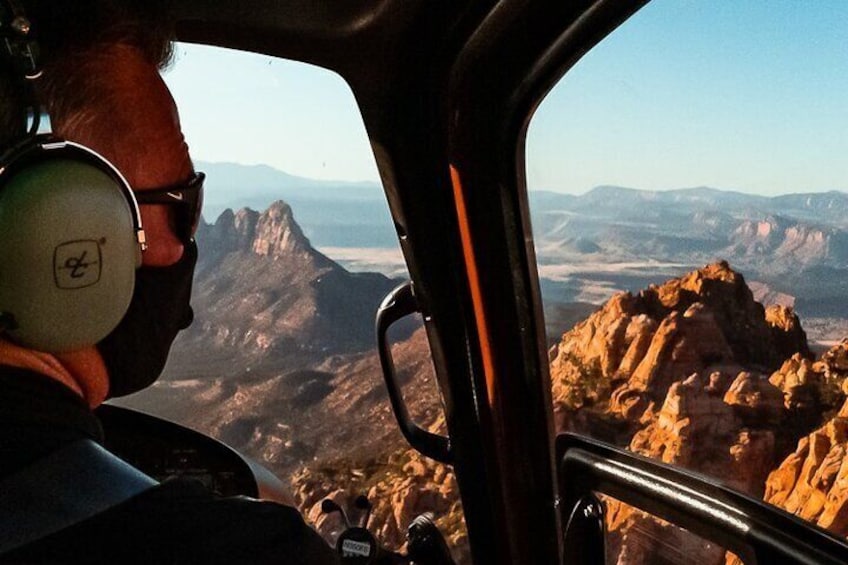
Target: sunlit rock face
[
  {"x": 697, "y": 374},
  {"x": 406, "y": 487},
  {"x": 624, "y": 357},
  {"x": 812, "y": 482},
  {"x": 781, "y": 238}
]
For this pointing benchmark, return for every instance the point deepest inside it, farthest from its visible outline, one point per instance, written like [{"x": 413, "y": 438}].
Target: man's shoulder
[{"x": 181, "y": 521}]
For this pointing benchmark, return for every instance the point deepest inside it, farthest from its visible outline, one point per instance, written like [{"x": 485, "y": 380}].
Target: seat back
[{"x": 63, "y": 489}]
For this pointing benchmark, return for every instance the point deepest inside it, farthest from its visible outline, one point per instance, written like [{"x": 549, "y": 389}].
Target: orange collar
[{"x": 82, "y": 371}]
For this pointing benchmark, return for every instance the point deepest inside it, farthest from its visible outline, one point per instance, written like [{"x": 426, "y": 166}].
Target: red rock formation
[
  {"x": 727, "y": 436},
  {"x": 622, "y": 360},
  {"x": 410, "y": 485},
  {"x": 812, "y": 482},
  {"x": 682, "y": 344},
  {"x": 682, "y": 373}
]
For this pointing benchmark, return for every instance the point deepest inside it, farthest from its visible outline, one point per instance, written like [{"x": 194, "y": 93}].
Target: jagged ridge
[
  {"x": 694, "y": 372},
  {"x": 264, "y": 295}
]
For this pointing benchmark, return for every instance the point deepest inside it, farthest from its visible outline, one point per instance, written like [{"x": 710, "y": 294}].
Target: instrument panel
[{"x": 165, "y": 450}]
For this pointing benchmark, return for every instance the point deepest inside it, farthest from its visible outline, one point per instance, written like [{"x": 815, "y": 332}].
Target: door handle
[{"x": 398, "y": 304}]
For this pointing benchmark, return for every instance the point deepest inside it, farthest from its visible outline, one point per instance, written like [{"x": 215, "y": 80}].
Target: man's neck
[
  {"x": 82, "y": 372},
  {"x": 38, "y": 415}
]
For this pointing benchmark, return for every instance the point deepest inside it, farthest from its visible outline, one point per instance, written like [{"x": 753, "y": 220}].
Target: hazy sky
[{"x": 734, "y": 94}]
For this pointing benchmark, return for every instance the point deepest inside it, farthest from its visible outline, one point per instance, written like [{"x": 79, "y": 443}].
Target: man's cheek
[
  {"x": 163, "y": 246},
  {"x": 136, "y": 351}
]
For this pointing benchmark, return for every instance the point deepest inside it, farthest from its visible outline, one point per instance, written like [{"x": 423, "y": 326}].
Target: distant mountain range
[
  {"x": 830, "y": 207},
  {"x": 621, "y": 238},
  {"x": 355, "y": 214},
  {"x": 332, "y": 213},
  {"x": 611, "y": 238},
  {"x": 699, "y": 224}
]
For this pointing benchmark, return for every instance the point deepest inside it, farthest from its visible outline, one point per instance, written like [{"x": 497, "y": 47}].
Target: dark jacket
[{"x": 178, "y": 521}]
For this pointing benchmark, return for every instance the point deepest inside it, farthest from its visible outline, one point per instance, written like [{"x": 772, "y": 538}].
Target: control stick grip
[{"x": 425, "y": 543}]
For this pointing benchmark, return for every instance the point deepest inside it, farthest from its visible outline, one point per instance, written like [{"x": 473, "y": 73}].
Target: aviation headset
[{"x": 70, "y": 231}]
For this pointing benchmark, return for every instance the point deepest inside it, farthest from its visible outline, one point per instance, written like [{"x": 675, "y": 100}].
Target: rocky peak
[
  {"x": 626, "y": 355},
  {"x": 724, "y": 293},
  {"x": 263, "y": 294},
  {"x": 696, "y": 373},
  {"x": 230, "y": 232},
  {"x": 273, "y": 233},
  {"x": 277, "y": 234}
]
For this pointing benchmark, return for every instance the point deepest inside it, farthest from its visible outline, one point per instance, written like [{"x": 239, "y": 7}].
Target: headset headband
[{"x": 44, "y": 146}]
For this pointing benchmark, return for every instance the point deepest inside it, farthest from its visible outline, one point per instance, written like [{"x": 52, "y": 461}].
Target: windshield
[
  {"x": 687, "y": 187},
  {"x": 296, "y": 251}
]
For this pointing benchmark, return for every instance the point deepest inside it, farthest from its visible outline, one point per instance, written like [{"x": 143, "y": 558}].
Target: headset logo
[{"x": 76, "y": 264}]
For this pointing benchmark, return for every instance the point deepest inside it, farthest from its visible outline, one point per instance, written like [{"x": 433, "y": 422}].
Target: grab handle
[{"x": 398, "y": 304}]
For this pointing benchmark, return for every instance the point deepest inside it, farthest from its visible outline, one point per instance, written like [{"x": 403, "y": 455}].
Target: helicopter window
[
  {"x": 296, "y": 251},
  {"x": 687, "y": 187},
  {"x": 651, "y": 540}
]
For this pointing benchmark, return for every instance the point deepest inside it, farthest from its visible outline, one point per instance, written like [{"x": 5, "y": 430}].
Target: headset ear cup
[{"x": 68, "y": 253}]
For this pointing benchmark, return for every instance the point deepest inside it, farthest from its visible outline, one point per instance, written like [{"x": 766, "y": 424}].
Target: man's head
[
  {"x": 69, "y": 34},
  {"x": 101, "y": 88}
]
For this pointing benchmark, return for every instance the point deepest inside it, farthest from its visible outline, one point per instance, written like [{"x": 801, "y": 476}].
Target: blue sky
[
  {"x": 253, "y": 109},
  {"x": 735, "y": 94}
]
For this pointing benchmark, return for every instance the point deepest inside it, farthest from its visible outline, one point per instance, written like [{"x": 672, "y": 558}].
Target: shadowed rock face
[
  {"x": 695, "y": 373},
  {"x": 263, "y": 295}
]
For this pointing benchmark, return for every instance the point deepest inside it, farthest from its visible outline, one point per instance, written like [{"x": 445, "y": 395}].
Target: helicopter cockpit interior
[{"x": 431, "y": 356}]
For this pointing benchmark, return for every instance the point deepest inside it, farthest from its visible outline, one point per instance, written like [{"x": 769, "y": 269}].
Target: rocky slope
[
  {"x": 281, "y": 364},
  {"x": 403, "y": 487},
  {"x": 329, "y": 431},
  {"x": 695, "y": 373},
  {"x": 264, "y": 296}
]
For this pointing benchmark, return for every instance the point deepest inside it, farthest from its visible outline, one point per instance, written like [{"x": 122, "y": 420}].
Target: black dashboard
[{"x": 164, "y": 450}]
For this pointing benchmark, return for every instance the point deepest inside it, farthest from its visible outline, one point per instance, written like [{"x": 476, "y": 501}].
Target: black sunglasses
[{"x": 187, "y": 199}]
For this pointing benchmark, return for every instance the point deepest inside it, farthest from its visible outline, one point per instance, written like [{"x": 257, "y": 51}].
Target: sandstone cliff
[
  {"x": 625, "y": 357},
  {"x": 694, "y": 373}
]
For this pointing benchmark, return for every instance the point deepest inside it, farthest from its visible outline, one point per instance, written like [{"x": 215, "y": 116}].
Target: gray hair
[{"x": 70, "y": 35}]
